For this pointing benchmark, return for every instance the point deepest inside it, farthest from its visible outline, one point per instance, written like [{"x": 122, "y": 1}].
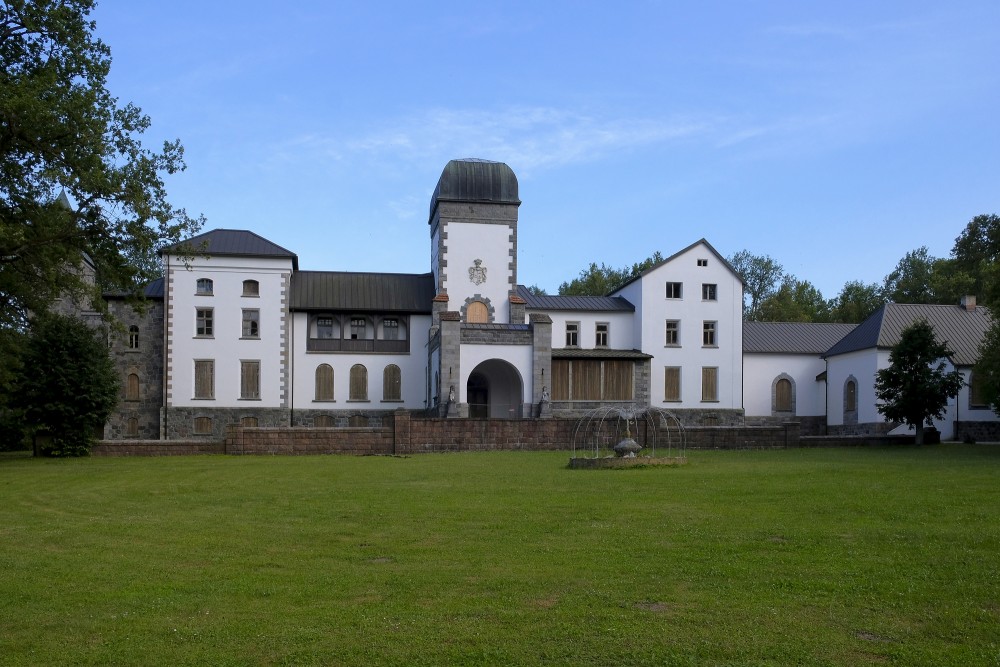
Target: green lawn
[{"x": 793, "y": 557}]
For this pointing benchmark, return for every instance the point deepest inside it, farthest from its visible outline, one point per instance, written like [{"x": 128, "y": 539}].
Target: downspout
[{"x": 166, "y": 345}]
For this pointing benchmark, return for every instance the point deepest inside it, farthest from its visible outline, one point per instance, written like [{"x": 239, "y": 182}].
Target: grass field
[{"x": 861, "y": 556}]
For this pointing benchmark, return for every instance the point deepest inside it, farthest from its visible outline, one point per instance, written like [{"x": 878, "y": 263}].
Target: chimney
[{"x": 968, "y": 302}]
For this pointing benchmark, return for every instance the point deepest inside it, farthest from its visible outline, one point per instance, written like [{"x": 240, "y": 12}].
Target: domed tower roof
[{"x": 475, "y": 180}]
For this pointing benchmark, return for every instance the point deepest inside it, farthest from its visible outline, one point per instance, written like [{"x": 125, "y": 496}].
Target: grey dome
[{"x": 475, "y": 180}]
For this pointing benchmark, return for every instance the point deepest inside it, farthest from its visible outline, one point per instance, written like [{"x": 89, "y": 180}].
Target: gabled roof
[
  {"x": 792, "y": 337},
  {"x": 960, "y": 329},
  {"x": 582, "y": 303},
  {"x": 234, "y": 242},
  {"x": 725, "y": 262},
  {"x": 386, "y": 292}
]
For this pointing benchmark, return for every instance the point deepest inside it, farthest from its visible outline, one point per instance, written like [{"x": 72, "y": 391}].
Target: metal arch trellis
[{"x": 599, "y": 429}]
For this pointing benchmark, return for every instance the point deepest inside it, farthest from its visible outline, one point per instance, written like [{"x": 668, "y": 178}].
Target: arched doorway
[{"x": 494, "y": 390}]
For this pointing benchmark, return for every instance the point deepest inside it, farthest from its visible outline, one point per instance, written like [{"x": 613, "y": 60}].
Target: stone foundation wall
[
  {"x": 808, "y": 426},
  {"x": 978, "y": 431},
  {"x": 863, "y": 429},
  {"x": 157, "y": 448},
  {"x": 180, "y": 422}
]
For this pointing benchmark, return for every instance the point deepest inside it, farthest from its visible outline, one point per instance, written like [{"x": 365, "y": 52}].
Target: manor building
[{"x": 237, "y": 333}]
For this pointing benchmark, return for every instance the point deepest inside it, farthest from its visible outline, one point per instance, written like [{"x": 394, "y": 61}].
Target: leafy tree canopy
[
  {"x": 987, "y": 369},
  {"x": 78, "y": 389},
  {"x": 600, "y": 280},
  {"x": 855, "y": 302},
  {"x": 916, "y": 386},
  {"x": 61, "y": 131},
  {"x": 761, "y": 276},
  {"x": 795, "y": 301}
]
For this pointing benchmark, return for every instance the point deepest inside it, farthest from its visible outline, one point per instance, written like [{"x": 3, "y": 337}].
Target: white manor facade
[{"x": 238, "y": 334}]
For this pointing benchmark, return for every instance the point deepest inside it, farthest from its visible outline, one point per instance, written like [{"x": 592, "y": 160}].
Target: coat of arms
[{"x": 477, "y": 273}]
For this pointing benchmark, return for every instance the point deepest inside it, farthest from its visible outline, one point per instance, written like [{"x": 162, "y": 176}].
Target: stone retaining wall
[{"x": 157, "y": 447}]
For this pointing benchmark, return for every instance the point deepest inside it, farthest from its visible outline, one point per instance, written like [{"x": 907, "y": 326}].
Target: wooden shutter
[
  {"x": 391, "y": 383},
  {"x": 586, "y": 380},
  {"x": 709, "y": 383},
  {"x": 324, "y": 382},
  {"x": 204, "y": 379},
  {"x": 132, "y": 388},
  {"x": 672, "y": 383},
  {"x": 618, "y": 380},
  {"x": 560, "y": 379},
  {"x": 359, "y": 383},
  {"x": 783, "y": 396},
  {"x": 477, "y": 313},
  {"x": 249, "y": 379}
]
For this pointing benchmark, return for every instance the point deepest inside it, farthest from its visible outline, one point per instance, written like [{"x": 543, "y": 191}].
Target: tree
[
  {"x": 856, "y": 301},
  {"x": 600, "y": 280},
  {"x": 67, "y": 386},
  {"x": 795, "y": 301},
  {"x": 977, "y": 252},
  {"x": 915, "y": 388},
  {"x": 987, "y": 369},
  {"x": 912, "y": 281},
  {"x": 63, "y": 133},
  {"x": 536, "y": 290},
  {"x": 761, "y": 276}
]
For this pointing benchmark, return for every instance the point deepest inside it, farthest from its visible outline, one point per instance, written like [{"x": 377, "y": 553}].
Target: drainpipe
[{"x": 166, "y": 344}]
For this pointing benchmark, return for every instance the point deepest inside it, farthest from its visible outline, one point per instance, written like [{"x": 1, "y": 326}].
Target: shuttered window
[
  {"x": 203, "y": 426},
  {"x": 560, "y": 379},
  {"x": 977, "y": 399},
  {"x": 710, "y": 383},
  {"x": 672, "y": 383},
  {"x": 391, "y": 383},
  {"x": 324, "y": 382},
  {"x": 323, "y": 421},
  {"x": 783, "y": 395},
  {"x": 251, "y": 288},
  {"x": 617, "y": 380},
  {"x": 204, "y": 379},
  {"x": 250, "y": 379},
  {"x": 359, "y": 383},
  {"x": 248, "y": 422},
  {"x": 477, "y": 313},
  {"x": 132, "y": 387},
  {"x": 592, "y": 379},
  {"x": 132, "y": 427},
  {"x": 851, "y": 396}
]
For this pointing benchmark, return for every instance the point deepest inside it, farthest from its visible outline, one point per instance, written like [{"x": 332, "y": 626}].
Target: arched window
[
  {"x": 132, "y": 387},
  {"x": 359, "y": 383},
  {"x": 248, "y": 422},
  {"x": 324, "y": 382},
  {"x": 783, "y": 395},
  {"x": 251, "y": 288},
  {"x": 851, "y": 395},
  {"x": 204, "y": 286},
  {"x": 391, "y": 383},
  {"x": 132, "y": 427},
  {"x": 133, "y": 337},
  {"x": 477, "y": 313},
  {"x": 323, "y": 421}
]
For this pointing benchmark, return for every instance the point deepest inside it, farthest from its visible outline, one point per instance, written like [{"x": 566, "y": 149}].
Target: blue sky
[{"x": 833, "y": 136}]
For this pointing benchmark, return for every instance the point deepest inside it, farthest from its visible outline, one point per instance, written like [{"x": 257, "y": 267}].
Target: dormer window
[{"x": 204, "y": 286}]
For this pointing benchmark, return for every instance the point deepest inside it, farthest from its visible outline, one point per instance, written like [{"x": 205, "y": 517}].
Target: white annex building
[{"x": 237, "y": 333}]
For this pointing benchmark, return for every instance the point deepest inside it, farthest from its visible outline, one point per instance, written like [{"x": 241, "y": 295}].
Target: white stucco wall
[
  {"x": 621, "y": 328},
  {"x": 412, "y": 368},
  {"x": 862, "y": 364},
  {"x": 467, "y": 242},
  {"x": 760, "y": 372},
  {"x": 226, "y": 346}
]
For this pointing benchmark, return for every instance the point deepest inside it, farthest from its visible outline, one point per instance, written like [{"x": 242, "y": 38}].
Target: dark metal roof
[
  {"x": 585, "y": 303},
  {"x": 334, "y": 290},
  {"x": 238, "y": 242},
  {"x": 725, "y": 262},
  {"x": 473, "y": 179},
  {"x": 575, "y": 353},
  {"x": 792, "y": 337},
  {"x": 960, "y": 329}
]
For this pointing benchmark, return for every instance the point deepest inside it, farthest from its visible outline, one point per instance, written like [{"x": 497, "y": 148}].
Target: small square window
[
  {"x": 390, "y": 329},
  {"x": 673, "y": 333},
  {"x": 324, "y": 327},
  {"x": 709, "y": 292},
  {"x": 674, "y": 290},
  {"x": 251, "y": 288},
  {"x": 702, "y": 262}
]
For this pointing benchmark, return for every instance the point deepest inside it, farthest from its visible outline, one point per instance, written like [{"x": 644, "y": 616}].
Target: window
[
  {"x": 204, "y": 286},
  {"x": 248, "y": 422},
  {"x": 390, "y": 329},
  {"x": 392, "y": 383},
  {"x": 132, "y": 387},
  {"x": 976, "y": 390},
  {"x": 709, "y": 292},
  {"x": 851, "y": 396},
  {"x": 133, "y": 337},
  {"x": 323, "y": 421},
  {"x": 672, "y": 383},
  {"x": 702, "y": 262},
  {"x": 592, "y": 379},
  {"x": 251, "y": 323},
  {"x": 572, "y": 334},
  {"x": 601, "y": 334},
  {"x": 131, "y": 427},
  {"x": 673, "y": 333},
  {"x": 709, "y": 384},
  {"x": 204, "y": 379},
  {"x": 477, "y": 313},
  {"x": 674, "y": 290},
  {"x": 708, "y": 334},
  {"x": 203, "y": 325},
  {"x": 359, "y": 383},
  {"x": 203, "y": 426},
  {"x": 324, "y": 382},
  {"x": 250, "y": 380},
  {"x": 358, "y": 328},
  {"x": 783, "y": 395},
  {"x": 251, "y": 288},
  {"x": 324, "y": 327}
]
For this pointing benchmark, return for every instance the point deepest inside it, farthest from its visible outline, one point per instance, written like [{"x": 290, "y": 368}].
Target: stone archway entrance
[{"x": 494, "y": 390}]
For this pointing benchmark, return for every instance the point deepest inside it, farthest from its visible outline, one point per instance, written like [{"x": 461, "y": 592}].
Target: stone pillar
[
  {"x": 517, "y": 305},
  {"x": 451, "y": 369},
  {"x": 541, "y": 362}
]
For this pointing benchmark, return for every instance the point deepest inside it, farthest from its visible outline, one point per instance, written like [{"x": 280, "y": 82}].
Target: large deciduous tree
[
  {"x": 61, "y": 131},
  {"x": 600, "y": 280},
  {"x": 795, "y": 301},
  {"x": 761, "y": 276},
  {"x": 916, "y": 386},
  {"x": 855, "y": 302},
  {"x": 67, "y": 385}
]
